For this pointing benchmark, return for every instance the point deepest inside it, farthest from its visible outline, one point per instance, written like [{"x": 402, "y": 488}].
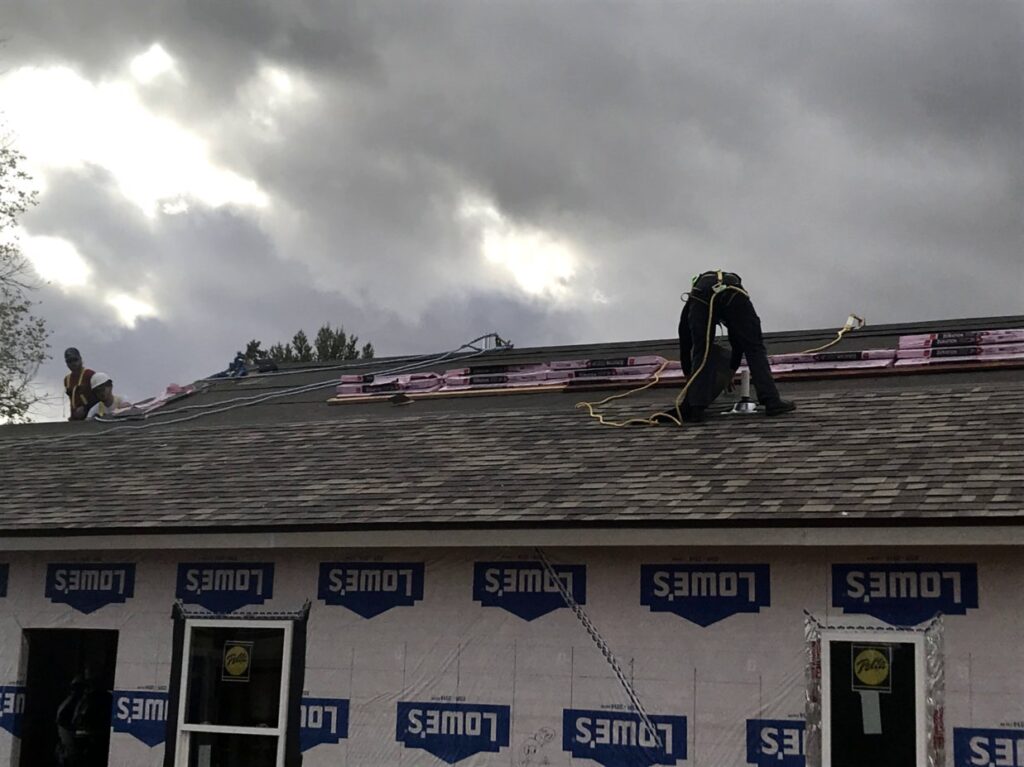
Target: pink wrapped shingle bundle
[
  {"x": 989, "y": 353},
  {"x": 418, "y": 382},
  {"x": 828, "y": 358},
  {"x": 962, "y": 338},
  {"x": 501, "y": 380},
  {"x": 611, "y": 362}
]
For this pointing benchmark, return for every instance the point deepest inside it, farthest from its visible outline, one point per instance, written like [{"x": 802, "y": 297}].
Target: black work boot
[
  {"x": 779, "y": 407},
  {"x": 693, "y": 414}
]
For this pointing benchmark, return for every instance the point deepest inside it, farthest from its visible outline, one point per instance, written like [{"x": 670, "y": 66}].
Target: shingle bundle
[{"x": 977, "y": 346}]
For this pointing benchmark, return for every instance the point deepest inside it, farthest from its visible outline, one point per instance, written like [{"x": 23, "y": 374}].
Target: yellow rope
[{"x": 853, "y": 322}]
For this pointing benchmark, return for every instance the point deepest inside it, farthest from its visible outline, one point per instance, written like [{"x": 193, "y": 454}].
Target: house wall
[{"x": 524, "y": 652}]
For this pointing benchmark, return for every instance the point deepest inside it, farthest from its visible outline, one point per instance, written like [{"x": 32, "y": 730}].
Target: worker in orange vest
[{"x": 78, "y": 385}]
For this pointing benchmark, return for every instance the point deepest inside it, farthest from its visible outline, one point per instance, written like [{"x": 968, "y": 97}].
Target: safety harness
[{"x": 853, "y": 322}]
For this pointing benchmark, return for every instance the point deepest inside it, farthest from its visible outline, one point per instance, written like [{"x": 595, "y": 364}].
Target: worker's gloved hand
[{"x": 731, "y": 387}]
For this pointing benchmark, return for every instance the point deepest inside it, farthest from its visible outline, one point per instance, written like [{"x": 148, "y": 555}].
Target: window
[
  {"x": 233, "y": 705},
  {"x": 873, "y": 698}
]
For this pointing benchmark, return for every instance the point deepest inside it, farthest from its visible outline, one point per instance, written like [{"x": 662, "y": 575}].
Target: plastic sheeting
[{"x": 470, "y": 656}]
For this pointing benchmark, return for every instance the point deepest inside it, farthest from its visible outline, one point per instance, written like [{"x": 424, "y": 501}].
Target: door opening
[{"x": 68, "y": 684}]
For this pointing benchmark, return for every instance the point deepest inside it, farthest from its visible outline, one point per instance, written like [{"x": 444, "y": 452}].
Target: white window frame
[
  {"x": 185, "y": 730},
  {"x": 881, "y": 636}
]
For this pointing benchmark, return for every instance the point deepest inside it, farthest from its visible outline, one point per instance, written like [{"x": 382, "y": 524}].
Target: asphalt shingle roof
[{"x": 922, "y": 454}]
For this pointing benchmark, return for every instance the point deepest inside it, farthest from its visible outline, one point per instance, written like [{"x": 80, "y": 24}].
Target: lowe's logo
[
  {"x": 905, "y": 594},
  {"x": 453, "y": 731},
  {"x": 703, "y": 593},
  {"x": 5, "y": 571},
  {"x": 776, "y": 742},
  {"x": 987, "y": 748},
  {"x": 621, "y": 739},
  {"x": 371, "y": 588},
  {"x": 223, "y": 587},
  {"x": 12, "y": 709},
  {"x": 526, "y": 589},
  {"x": 141, "y": 714},
  {"x": 322, "y": 720},
  {"x": 87, "y": 588}
]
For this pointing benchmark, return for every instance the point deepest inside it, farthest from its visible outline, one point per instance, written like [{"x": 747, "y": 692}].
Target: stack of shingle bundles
[
  {"x": 502, "y": 377},
  {"x": 623, "y": 370},
  {"x": 961, "y": 346},
  {"x": 361, "y": 385},
  {"x": 870, "y": 358}
]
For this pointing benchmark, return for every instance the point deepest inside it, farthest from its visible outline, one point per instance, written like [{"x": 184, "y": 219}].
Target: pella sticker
[
  {"x": 987, "y": 747},
  {"x": 453, "y": 731},
  {"x": 705, "y": 593},
  {"x": 371, "y": 588},
  {"x": 322, "y": 721},
  {"x": 776, "y": 742},
  {"x": 12, "y": 709},
  {"x": 141, "y": 714},
  {"x": 620, "y": 738},
  {"x": 89, "y": 587},
  {"x": 527, "y": 589},
  {"x": 905, "y": 594},
  {"x": 223, "y": 587}
]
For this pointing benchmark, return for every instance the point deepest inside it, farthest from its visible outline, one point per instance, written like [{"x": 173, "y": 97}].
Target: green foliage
[
  {"x": 329, "y": 345},
  {"x": 23, "y": 346},
  {"x": 303, "y": 351}
]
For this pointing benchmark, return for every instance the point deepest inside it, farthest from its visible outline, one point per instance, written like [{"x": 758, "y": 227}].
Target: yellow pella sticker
[
  {"x": 237, "y": 660},
  {"x": 871, "y": 667}
]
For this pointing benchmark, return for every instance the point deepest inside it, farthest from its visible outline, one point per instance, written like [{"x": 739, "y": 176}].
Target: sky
[{"x": 422, "y": 173}]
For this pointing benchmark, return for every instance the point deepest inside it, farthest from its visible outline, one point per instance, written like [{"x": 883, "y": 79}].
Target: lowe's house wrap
[
  {"x": 776, "y": 742},
  {"x": 89, "y": 587},
  {"x": 371, "y": 588},
  {"x": 223, "y": 587},
  {"x": 526, "y": 589},
  {"x": 141, "y": 714},
  {"x": 621, "y": 739},
  {"x": 905, "y": 594},
  {"x": 453, "y": 731},
  {"x": 980, "y": 747},
  {"x": 705, "y": 593}
]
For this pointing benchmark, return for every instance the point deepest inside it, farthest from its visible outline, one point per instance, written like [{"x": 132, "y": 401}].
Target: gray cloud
[{"x": 849, "y": 156}]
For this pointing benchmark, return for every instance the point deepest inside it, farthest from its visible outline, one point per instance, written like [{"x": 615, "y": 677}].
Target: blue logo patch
[
  {"x": 223, "y": 587},
  {"x": 905, "y": 594},
  {"x": 371, "y": 588},
  {"x": 453, "y": 731},
  {"x": 776, "y": 742},
  {"x": 141, "y": 714},
  {"x": 322, "y": 720},
  {"x": 620, "y": 739},
  {"x": 525, "y": 588},
  {"x": 4, "y": 574},
  {"x": 703, "y": 593},
  {"x": 987, "y": 748},
  {"x": 87, "y": 588},
  {"x": 12, "y": 709}
]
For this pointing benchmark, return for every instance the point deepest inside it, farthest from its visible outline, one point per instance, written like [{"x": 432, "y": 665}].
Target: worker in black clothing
[{"x": 733, "y": 307}]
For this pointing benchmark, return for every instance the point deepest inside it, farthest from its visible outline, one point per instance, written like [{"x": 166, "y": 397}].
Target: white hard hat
[{"x": 98, "y": 379}]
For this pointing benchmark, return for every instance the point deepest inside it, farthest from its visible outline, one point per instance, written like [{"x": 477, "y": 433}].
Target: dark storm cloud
[{"x": 849, "y": 156}]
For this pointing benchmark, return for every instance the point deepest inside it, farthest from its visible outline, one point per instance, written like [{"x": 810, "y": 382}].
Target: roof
[{"x": 902, "y": 449}]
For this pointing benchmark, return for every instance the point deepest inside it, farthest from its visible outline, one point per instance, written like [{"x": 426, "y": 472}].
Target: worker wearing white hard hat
[{"x": 103, "y": 390}]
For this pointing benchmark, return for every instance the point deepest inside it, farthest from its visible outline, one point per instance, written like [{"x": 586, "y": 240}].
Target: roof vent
[{"x": 746, "y": 406}]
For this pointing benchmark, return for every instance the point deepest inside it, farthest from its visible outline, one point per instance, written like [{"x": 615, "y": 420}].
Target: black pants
[{"x": 737, "y": 312}]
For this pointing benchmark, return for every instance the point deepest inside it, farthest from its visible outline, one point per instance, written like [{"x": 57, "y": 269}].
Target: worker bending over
[{"x": 733, "y": 308}]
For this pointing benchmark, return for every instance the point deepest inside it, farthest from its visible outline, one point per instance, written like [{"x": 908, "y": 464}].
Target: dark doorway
[
  {"x": 70, "y": 677},
  {"x": 873, "y": 698}
]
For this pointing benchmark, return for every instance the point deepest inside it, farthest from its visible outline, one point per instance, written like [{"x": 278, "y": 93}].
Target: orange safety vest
[{"x": 79, "y": 392}]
